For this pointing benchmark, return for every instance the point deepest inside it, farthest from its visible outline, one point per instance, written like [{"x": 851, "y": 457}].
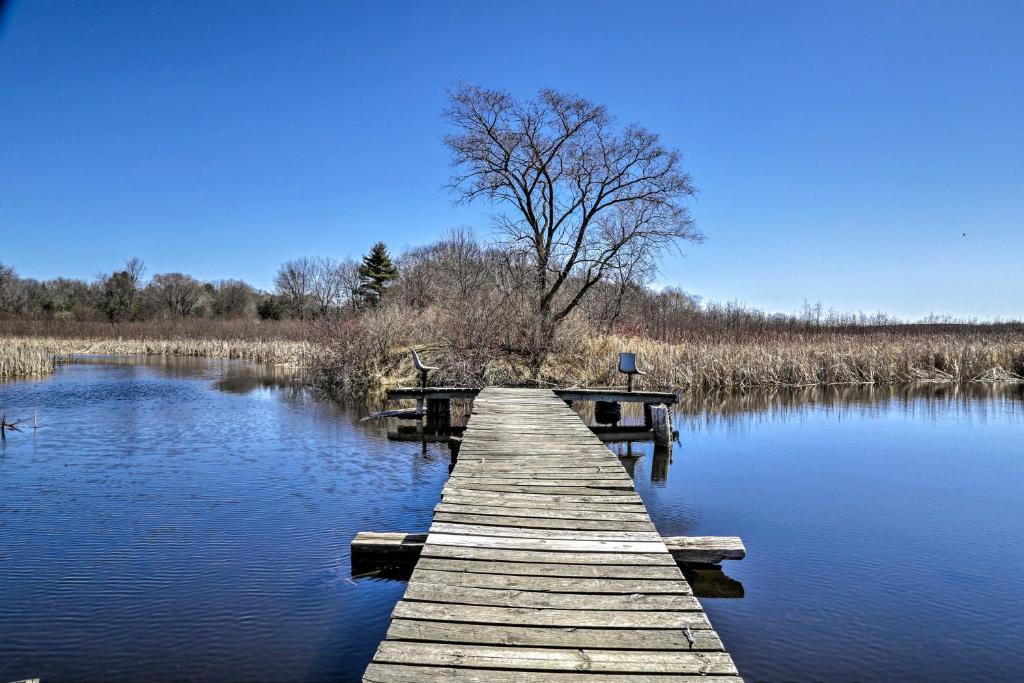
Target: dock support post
[
  {"x": 439, "y": 411},
  {"x": 661, "y": 423}
]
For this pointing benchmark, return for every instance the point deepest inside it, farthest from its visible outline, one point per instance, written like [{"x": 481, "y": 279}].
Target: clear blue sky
[{"x": 841, "y": 148}]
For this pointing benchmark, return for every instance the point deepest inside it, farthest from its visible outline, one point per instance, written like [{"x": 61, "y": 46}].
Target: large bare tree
[
  {"x": 579, "y": 196},
  {"x": 178, "y": 293},
  {"x": 294, "y": 284},
  {"x": 325, "y": 286}
]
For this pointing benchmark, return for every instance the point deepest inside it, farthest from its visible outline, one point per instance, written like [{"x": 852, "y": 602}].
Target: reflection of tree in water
[{"x": 242, "y": 378}]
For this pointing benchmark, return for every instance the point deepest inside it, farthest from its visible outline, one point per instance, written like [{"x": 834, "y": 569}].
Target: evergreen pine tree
[{"x": 375, "y": 273}]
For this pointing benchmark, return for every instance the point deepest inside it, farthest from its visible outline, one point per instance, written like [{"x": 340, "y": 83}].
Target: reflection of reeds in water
[
  {"x": 20, "y": 358},
  {"x": 243, "y": 378},
  {"x": 26, "y": 356}
]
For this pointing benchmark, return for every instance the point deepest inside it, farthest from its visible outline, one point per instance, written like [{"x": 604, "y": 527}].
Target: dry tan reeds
[
  {"x": 24, "y": 358},
  {"x": 36, "y": 356},
  {"x": 809, "y": 361}
]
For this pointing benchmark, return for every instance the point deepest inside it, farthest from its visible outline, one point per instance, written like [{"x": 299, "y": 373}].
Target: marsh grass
[
  {"x": 809, "y": 360},
  {"x": 24, "y": 358},
  {"x": 21, "y": 357},
  {"x": 364, "y": 356}
]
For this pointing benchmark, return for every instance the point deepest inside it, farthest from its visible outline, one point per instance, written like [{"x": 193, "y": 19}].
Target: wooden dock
[{"x": 542, "y": 564}]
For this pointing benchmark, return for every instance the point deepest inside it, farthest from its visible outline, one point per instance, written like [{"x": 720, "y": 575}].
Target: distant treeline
[
  {"x": 457, "y": 276},
  {"x": 305, "y": 288}
]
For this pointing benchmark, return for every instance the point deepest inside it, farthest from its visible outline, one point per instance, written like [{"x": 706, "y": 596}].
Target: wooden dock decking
[{"x": 542, "y": 564}]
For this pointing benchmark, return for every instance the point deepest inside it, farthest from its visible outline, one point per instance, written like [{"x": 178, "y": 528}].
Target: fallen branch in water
[
  {"x": 404, "y": 413},
  {"x": 6, "y": 426}
]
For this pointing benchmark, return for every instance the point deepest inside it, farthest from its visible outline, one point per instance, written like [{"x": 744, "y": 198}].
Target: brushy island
[{"x": 349, "y": 366}]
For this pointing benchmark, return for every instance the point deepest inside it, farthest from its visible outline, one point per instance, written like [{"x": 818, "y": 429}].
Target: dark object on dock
[
  {"x": 627, "y": 366},
  {"x": 701, "y": 551}
]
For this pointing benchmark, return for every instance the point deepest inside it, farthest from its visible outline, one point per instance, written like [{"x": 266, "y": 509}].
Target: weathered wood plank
[
  {"x": 387, "y": 541},
  {"x": 538, "y": 569},
  {"x": 697, "y": 550},
  {"x": 405, "y": 673},
  {"x": 541, "y": 489},
  {"x": 544, "y": 522},
  {"x": 551, "y": 534},
  {"x": 552, "y": 503},
  {"x": 550, "y": 497},
  {"x": 546, "y": 544},
  {"x": 554, "y": 659},
  {"x": 705, "y": 549},
  {"x": 588, "y": 478},
  {"x": 449, "y": 506},
  {"x": 553, "y": 584},
  {"x": 589, "y": 468},
  {"x": 541, "y": 485},
  {"x": 437, "y": 611},
  {"x": 421, "y": 591},
  {"x": 549, "y": 636}
]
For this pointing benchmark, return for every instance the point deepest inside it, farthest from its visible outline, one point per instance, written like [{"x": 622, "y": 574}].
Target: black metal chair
[
  {"x": 627, "y": 366},
  {"x": 423, "y": 369}
]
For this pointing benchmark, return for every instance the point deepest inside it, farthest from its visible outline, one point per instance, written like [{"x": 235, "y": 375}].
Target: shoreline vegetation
[
  {"x": 28, "y": 349},
  {"x": 361, "y": 358}
]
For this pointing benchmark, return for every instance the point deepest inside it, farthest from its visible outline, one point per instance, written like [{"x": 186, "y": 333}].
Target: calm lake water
[{"x": 186, "y": 520}]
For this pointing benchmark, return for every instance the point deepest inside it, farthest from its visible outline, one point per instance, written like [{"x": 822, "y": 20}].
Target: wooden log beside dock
[{"x": 542, "y": 564}]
